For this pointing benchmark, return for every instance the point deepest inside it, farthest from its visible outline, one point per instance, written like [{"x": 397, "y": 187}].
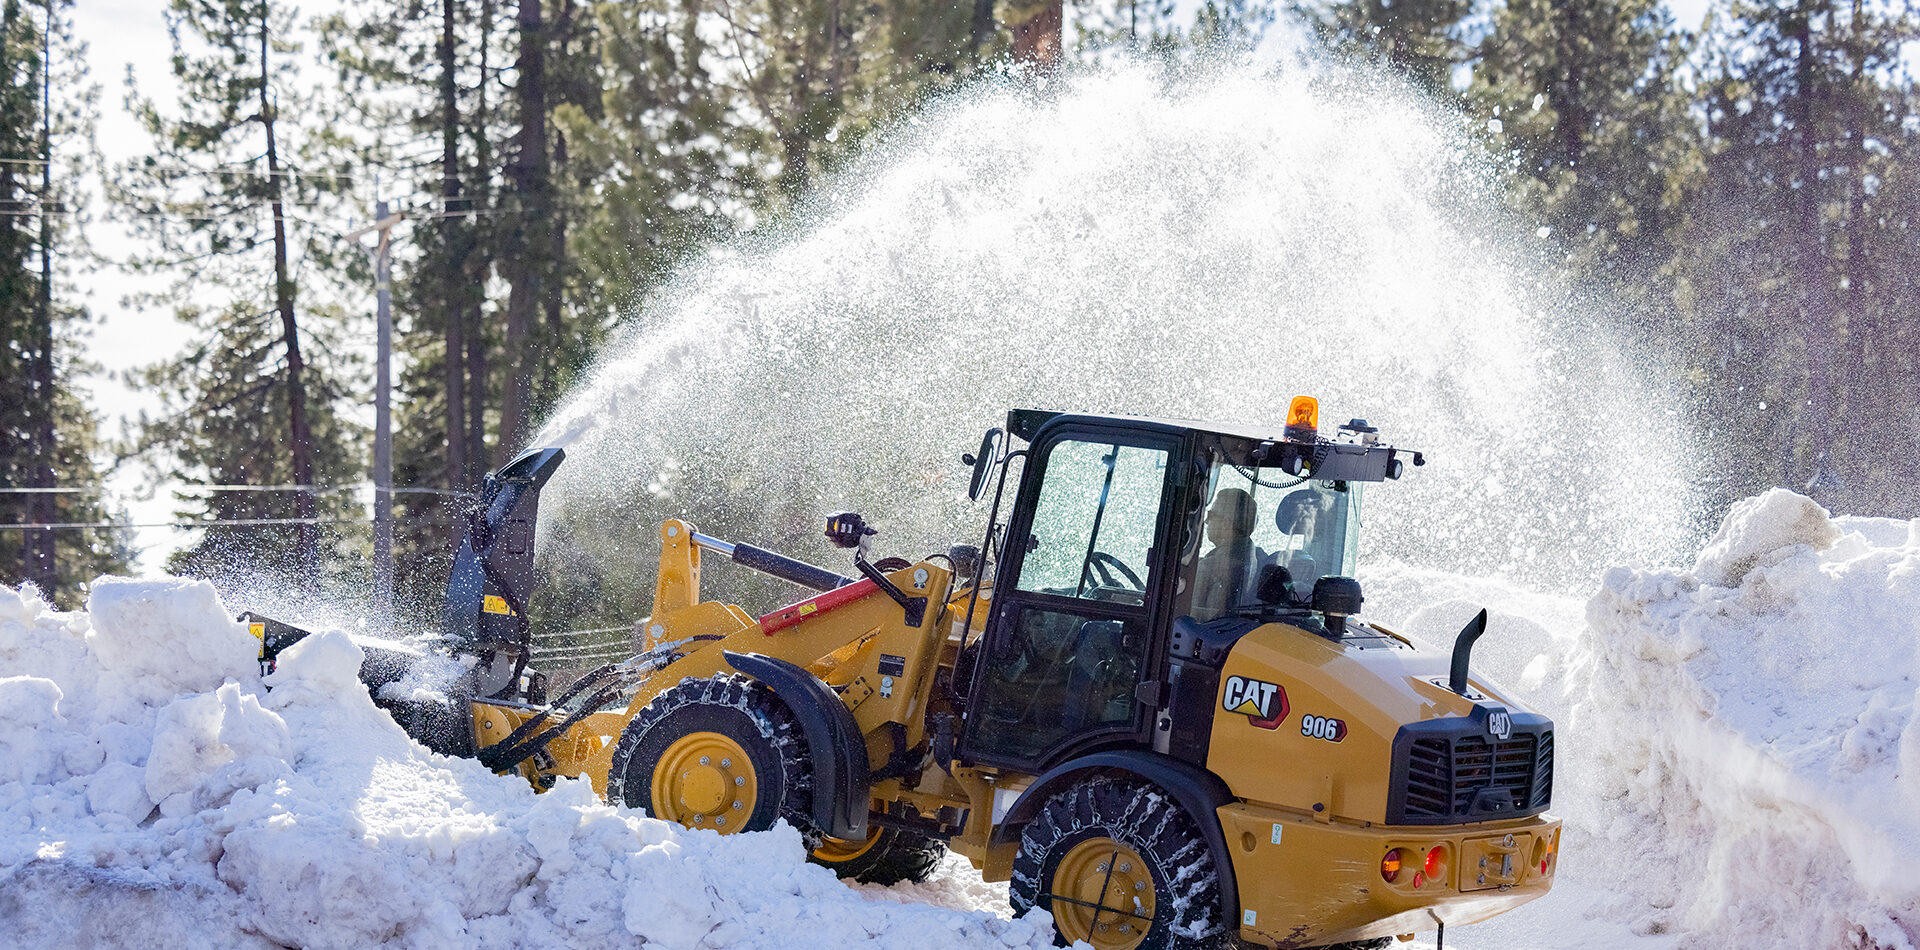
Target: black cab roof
[{"x": 1257, "y": 446}]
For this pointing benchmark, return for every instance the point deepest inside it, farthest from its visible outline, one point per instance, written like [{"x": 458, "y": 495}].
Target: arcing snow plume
[
  {"x": 1124, "y": 243},
  {"x": 153, "y": 794}
]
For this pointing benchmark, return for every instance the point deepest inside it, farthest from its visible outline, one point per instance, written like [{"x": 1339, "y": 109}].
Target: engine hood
[{"x": 1305, "y": 721}]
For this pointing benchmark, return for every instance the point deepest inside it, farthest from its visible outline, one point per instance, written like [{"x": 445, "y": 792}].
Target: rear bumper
[{"x": 1306, "y": 883}]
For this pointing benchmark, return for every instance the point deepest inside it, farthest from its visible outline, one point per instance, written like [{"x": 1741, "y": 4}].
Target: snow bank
[
  {"x": 1751, "y": 737},
  {"x": 1740, "y": 768},
  {"x": 154, "y": 793}
]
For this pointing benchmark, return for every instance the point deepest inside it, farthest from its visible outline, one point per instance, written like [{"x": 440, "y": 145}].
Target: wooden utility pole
[
  {"x": 456, "y": 241},
  {"x": 382, "y": 408}
]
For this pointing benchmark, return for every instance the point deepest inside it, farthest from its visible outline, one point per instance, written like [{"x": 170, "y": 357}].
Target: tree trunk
[
  {"x": 307, "y": 550},
  {"x": 1815, "y": 301},
  {"x": 16, "y": 441},
  {"x": 1860, "y": 397},
  {"x": 548, "y": 389},
  {"x": 982, "y": 29},
  {"x": 42, "y": 567},
  {"x": 1575, "y": 119},
  {"x": 796, "y": 133},
  {"x": 452, "y": 269},
  {"x": 547, "y": 386},
  {"x": 480, "y": 266},
  {"x": 529, "y": 242},
  {"x": 1036, "y": 33}
]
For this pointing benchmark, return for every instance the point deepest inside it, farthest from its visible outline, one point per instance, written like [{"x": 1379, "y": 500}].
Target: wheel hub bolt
[
  {"x": 705, "y": 761},
  {"x": 736, "y": 805},
  {"x": 721, "y": 821},
  {"x": 726, "y": 763},
  {"x": 1126, "y": 866},
  {"x": 739, "y": 780},
  {"x": 696, "y": 818}
]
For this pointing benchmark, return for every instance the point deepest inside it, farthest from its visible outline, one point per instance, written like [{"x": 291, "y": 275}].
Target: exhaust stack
[{"x": 1462, "y": 649}]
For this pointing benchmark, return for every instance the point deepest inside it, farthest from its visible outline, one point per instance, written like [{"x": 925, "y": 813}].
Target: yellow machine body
[
  {"x": 1086, "y": 726},
  {"x": 1307, "y": 834}
]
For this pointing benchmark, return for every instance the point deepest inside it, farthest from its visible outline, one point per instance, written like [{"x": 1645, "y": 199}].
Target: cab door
[{"x": 1070, "y": 637}]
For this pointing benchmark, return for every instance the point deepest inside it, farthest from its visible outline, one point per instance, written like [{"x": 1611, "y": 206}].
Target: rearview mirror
[{"x": 981, "y": 463}]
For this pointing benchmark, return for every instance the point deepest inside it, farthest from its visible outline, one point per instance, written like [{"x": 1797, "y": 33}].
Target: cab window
[{"x": 1093, "y": 525}]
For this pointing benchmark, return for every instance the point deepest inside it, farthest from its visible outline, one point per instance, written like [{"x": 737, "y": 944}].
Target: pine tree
[
  {"x": 1156, "y": 27},
  {"x": 47, "y": 436},
  {"x": 482, "y": 172},
  {"x": 714, "y": 119},
  {"x": 1586, "y": 102},
  {"x": 1777, "y": 279},
  {"x": 1419, "y": 40},
  {"x": 249, "y": 403}
]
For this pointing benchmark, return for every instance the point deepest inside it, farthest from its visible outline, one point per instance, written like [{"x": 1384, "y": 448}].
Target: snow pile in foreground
[
  {"x": 153, "y": 793},
  {"x": 1751, "y": 736}
]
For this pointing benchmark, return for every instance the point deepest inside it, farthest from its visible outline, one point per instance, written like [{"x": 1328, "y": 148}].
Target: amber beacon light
[{"x": 1303, "y": 419}]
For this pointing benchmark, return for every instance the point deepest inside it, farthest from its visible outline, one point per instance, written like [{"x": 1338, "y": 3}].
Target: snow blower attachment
[
  {"x": 1147, "y": 698},
  {"x": 492, "y": 574}
]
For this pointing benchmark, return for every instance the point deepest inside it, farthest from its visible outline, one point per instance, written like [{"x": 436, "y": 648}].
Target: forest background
[{"x": 1747, "y": 188}]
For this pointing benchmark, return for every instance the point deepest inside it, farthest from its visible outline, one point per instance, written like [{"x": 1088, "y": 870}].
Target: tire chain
[
  {"x": 1146, "y": 819},
  {"x": 769, "y": 716}
]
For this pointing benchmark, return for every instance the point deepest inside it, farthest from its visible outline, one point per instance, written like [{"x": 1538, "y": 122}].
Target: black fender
[
  {"x": 841, "y": 772},
  {"x": 1197, "y": 790}
]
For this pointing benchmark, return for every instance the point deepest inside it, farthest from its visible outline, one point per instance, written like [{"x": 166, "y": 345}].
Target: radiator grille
[{"x": 1445, "y": 777}]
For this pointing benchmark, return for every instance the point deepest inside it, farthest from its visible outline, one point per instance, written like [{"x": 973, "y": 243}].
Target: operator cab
[{"x": 1118, "y": 527}]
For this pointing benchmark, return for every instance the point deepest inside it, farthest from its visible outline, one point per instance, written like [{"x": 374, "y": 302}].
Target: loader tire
[
  {"x": 888, "y": 856},
  {"x": 1122, "y": 866},
  {"x": 721, "y": 753}
]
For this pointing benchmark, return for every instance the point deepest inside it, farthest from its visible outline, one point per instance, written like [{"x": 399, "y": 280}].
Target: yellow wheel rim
[
  {"x": 836, "y": 851},
  {"x": 1102, "y": 893},
  {"x": 705, "y": 780}
]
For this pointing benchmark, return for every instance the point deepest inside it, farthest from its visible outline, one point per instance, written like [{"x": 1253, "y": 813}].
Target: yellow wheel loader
[{"x": 1146, "y": 699}]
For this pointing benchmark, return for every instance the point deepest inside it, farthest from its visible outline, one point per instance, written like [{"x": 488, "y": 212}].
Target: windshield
[{"x": 1251, "y": 519}]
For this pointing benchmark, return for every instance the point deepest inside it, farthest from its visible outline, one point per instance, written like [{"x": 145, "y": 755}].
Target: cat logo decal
[
  {"x": 1263, "y": 703},
  {"x": 1499, "y": 724}
]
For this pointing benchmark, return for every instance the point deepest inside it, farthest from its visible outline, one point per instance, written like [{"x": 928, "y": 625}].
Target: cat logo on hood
[{"x": 1263, "y": 703}]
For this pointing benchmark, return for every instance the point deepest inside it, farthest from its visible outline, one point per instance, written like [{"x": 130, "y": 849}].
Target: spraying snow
[{"x": 1202, "y": 248}]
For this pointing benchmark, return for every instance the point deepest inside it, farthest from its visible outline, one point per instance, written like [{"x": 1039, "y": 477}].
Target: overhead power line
[
  {"x": 238, "y": 522},
  {"x": 186, "y": 486}
]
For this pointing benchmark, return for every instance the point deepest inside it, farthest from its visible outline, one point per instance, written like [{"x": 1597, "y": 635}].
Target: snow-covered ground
[{"x": 1739, "y": 742}]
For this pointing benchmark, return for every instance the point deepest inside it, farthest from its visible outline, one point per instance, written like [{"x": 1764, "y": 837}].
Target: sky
[{"x": 125, "y": 36}]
